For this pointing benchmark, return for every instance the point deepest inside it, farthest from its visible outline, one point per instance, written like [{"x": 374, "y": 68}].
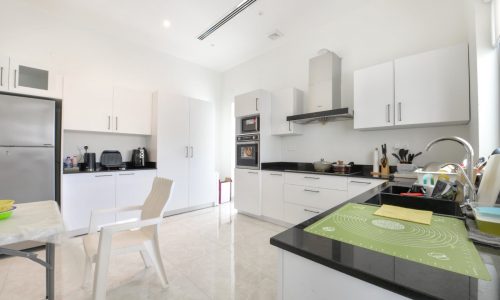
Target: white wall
[
  {"x": 376, "y": 31},
  {"x": 36, "y": 33}
]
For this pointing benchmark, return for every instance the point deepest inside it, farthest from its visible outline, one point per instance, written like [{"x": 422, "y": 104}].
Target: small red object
[{"x": 412, "y": 194}]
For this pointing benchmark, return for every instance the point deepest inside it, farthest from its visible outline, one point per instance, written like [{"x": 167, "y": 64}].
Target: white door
[
  {"x": 374, "y": 96},
  {"x": 202, "y": 179},
  {"x": 247, "y": 104},
  {"x": 272, "y": 194},
  {"x": 284, "y": 103},
  {"x": 132, "y": 188},
  {"x": 4, "y": 73},
  {"x": 33, "y": 78},
  {"x": 433, "y": 87},
  {"x": 132, "y": 111},
  {"x": 88, "y": 104},
  {"x": 173, "y": 147},
  {"x": 247, "y": 191},
  {"x": 81, "y": 193}
]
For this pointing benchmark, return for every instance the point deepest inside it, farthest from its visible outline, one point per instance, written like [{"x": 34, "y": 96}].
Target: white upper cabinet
[
  {"x": 248, "y": 104},
  {"x": 33, "y": 78},
  {"x": 284, "y": 103},
  {"x": 87, "y": 105},
  {"x": 433, "y": 87},
  {"x": 374, "y": 96},
  {"x": 430, "y": 88},
  {"x": 132, "y": 111},
  {"x": 4, "y": 73}
]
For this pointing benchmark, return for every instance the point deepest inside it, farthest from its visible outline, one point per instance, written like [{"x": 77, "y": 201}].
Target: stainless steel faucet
[{"x": 470, "y": 193}]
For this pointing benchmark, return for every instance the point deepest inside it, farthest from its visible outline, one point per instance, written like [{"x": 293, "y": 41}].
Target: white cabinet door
[
  {"x": 322, "y": 199},
  {"x": 132, "y": 188},
  {"x": 433, "y": 87},
  {"x": 374, "y": 96},
  {"x": 297, "y": 213},
  {"x": 247, "y": 191},
  {"x": 4, "y": 73},
  {"x": 357, "y": 186},
  {"x": 173, "y": 147},
  {"x": 87, "y": 104},
  {"x": 81, "y": 193},
  {"x": 202, "y": 179},
  {"x": 247, "y": 104},
  {"x": 284, "y": 103},
  {"x": 33, "y": 78},
  {"x": 132, "y": 111},
  {"x": 272, "y": 194}
]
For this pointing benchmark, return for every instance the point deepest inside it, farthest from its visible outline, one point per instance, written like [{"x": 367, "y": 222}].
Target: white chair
[{"x": 141, "y": 236}]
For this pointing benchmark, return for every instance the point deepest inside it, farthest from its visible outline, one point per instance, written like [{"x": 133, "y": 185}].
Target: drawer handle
[
  {"x": 127, "y": 174},
  {"x": 311, "y": 211},
  {"x": 250, "y": 172},
  {"x": 276, "y": 174},
  {"x": 363, "y": 182},
  {"x": 311, "y": 191},
  {"x": 104, "y": 175},
  {"x": 310, "y": 177}
]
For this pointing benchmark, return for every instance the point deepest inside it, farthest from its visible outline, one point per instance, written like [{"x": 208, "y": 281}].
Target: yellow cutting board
[{"x": 406, "y": 214}]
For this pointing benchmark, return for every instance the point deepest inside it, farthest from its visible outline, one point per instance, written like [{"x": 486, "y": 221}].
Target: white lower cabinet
[
  {"x": 357, "y": 186},
  {"x": 295, "y": 213},
  {"x": 272, "y": 194},
  {"x": 247, "y": 191},
  {"x": 314, "y": 197},
  {"x": 81, "y": 193}
]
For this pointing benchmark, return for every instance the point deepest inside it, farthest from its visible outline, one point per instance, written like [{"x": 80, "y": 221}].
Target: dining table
[{"x": 40, "y": 222}]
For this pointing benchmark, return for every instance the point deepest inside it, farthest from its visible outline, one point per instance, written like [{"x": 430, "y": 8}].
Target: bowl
[
  {"x": 322, "y": 165},
  {"x": 7, "y": 214},
  {"x": 6, "y": 205},
  {"x": 488, "y": 219}
]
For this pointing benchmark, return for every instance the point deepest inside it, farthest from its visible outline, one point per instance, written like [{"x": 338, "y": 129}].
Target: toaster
[{"x": 111, "y": 159}]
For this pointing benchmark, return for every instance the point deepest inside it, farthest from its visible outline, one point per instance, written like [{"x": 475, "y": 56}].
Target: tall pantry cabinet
[{"x": 185, "y": 150}]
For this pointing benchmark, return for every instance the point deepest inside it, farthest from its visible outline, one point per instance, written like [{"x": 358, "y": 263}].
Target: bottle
[
  {"x": 74, "y": 161},
  {"x": 67, "y": 162}
]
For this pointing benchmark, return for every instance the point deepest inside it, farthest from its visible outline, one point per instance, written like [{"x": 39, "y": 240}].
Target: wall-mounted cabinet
[
  {"x": 94, "y": 105},
  {"x": 430, "y": 88},
  {"x": 29, "y": 78},
  {"x": 249, "y": 103},
  {"x": 284, "y": 103}
]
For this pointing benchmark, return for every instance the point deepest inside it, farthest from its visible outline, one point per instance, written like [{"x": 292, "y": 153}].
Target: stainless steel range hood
[{"x": 324, "y": 98}]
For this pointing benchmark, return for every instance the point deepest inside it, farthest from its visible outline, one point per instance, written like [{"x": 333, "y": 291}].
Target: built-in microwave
[
  {"x": 250, "y": 124},
  {"x": 247, "y": 151}
]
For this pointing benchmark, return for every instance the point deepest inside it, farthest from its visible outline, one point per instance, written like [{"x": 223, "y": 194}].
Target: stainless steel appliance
[
  {"x": 250, "y": 124},
  {"x": 111, "y": 159},
  {"x": 139, "y": 157},
  {"x": 247, "y": 151},
  {"x": 27, "y": 148}
]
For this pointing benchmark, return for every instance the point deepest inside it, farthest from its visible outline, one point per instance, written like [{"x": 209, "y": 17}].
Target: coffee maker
[
  {"x": 89, "y": 161},
  {"x": 139, "y": 157}
]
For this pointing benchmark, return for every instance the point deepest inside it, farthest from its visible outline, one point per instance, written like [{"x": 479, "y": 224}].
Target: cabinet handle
[
  {"x": 310, "y": 177},
  {"x": 362, "y": 182},
  {"x": 116, "y": 123},
  {"x": 311, "y": 191},
  {"x": 192, "y": 151},
  {"x": 15, "y": 78},
  {"x": 256, "y": 104},
  {"x": 126, "y": 174},
  {"x": 311, "y": 211},
  {"x": 388, "y": 113},
  {"x": 104, "y": 175},
  {"x": 187, "y": 151},
  {"x": 1, "y": 76},
  {"x": 250, "y": 172},
  {"x": 109, "y": 122},
  {"x": 276, "y": 174},
  {"x": 399, "y": 106},
  {"x": 289, "y": 129}
]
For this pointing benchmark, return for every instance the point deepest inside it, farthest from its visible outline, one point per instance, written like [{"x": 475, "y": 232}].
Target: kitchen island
[{"x": 315, "y": 267}]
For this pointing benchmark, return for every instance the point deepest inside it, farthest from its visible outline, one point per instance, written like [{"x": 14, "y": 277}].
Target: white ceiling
[{"x": 239, "y": 40}]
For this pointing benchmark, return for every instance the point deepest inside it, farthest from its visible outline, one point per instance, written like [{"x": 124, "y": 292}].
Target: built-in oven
[
  {"x": 250, "y": 124},
  {"x": 247, "y": 151}
]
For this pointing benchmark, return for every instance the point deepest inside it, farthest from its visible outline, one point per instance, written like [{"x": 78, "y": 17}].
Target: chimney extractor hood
[{"x": 324, "y": 103}]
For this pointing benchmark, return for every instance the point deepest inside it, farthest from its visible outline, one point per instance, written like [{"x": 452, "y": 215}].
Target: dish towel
[{"x": 406, "y": 214}]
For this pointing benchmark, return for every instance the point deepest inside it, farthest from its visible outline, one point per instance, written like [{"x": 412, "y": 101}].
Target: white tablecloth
[{"x": 37, "y": 221}]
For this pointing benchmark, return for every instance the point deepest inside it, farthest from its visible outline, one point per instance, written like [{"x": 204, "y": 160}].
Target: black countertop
[
  {"x": 407, "y": 278},
  {"x": 99, "y": 169}
]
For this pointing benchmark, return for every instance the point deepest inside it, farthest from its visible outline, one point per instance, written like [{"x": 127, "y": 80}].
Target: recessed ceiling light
[
  {"x": 166, "y": 23},
  {"x": 275, "y": 35}
]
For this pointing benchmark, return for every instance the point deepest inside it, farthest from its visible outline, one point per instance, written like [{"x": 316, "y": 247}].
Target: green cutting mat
[{"x": 444, "y": 244}]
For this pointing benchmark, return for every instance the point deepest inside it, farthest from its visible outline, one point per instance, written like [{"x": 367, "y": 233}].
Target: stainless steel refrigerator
[{"x": 27, "y": 148}]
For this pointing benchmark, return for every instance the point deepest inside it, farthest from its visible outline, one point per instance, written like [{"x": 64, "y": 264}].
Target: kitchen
[{"x": 191, "y": 138}]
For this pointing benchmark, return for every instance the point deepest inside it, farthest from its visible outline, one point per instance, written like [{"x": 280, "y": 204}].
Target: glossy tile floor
[{"x": 208, "y": 254}]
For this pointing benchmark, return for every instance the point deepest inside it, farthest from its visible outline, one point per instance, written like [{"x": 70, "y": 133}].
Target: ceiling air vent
[{"x": 241, "y": 7}]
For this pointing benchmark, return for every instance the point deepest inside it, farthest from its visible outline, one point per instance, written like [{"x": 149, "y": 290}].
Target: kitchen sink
[{"x": 391, "y": 196}]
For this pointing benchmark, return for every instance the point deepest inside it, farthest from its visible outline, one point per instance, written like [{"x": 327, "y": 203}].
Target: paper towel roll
[
  {"x": 490, "y": 183},
  {"x": 375, "y": 161}
]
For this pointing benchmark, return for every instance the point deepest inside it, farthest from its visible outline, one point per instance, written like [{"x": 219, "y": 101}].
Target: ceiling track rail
[{"x": 241, "y": 7}]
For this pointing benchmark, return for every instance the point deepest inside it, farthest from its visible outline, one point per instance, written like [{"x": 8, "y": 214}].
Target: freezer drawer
[
  {"x": 27, "y": 174},
  {"x": 26, "y": 121}
]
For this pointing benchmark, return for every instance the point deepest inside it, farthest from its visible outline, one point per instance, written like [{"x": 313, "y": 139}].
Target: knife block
[{"x": 384, "y": 170}]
